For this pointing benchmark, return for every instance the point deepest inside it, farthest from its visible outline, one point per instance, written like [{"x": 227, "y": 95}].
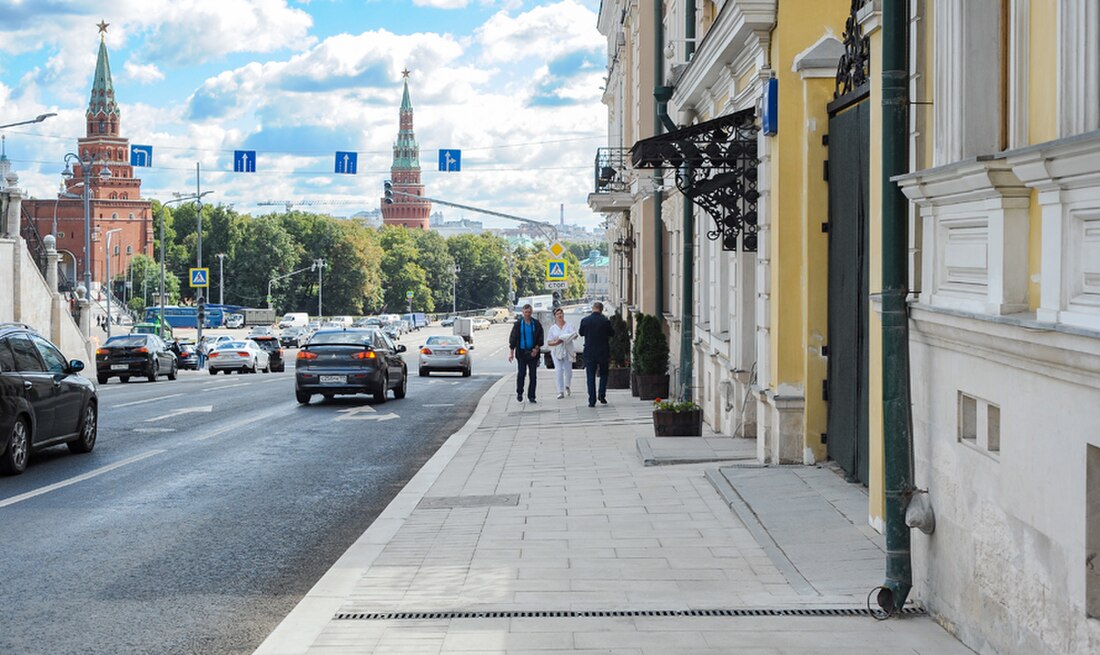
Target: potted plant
[
  {"x": 677, "y": 419},
  {"x": 651, "y": 359},
  {"x": 618, "y": 374},
  {"x": 639, "y": 319}
]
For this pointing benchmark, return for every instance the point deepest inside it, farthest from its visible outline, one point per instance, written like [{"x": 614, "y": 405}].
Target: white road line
[
  {"x": 202, "y": 409},
  {"x": 147, "y": 400},
  {"x": 80, "y": 478},
  {"x": 439, "y": 405},
  {"x": 234, "y": 426},
  {"x": 494, "y": 353},
  {"x": 227, "y": 386}
]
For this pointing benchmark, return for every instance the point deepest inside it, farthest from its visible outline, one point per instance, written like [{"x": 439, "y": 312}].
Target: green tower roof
[{"x": 103, "y": 88}]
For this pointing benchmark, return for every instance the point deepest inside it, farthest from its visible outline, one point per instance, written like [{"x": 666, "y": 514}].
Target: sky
[{"x": 515, "y": 85}]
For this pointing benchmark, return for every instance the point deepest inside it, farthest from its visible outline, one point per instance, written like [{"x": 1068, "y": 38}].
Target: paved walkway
[{"x": 537, "y": 529}]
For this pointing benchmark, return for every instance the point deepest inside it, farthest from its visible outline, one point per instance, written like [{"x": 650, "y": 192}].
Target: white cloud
[
  {"x": 547, "y": 32},
  {"x": 442, "y": 4},
  {"x": 143, "y": 73}
]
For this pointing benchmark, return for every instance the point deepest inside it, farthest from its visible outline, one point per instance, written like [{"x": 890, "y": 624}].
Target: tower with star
[{"x": 406, "y": 211}]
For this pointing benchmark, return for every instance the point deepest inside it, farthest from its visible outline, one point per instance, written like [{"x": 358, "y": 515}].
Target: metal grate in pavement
[
  {"x": 574, "y": 614},
  {"x": 452, "y": 502}
]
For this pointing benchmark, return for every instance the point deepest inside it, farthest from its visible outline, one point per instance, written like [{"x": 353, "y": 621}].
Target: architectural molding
[{"x": 1078, "y": 66}]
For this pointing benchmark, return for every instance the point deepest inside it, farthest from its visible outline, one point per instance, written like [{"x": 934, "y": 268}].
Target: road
[{"x": 210, "y": 505}]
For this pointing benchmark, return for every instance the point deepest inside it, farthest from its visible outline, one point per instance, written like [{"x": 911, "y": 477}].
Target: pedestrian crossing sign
[
  {"x": 555, "y": 269},
  {"x": 200, "y": 278}
]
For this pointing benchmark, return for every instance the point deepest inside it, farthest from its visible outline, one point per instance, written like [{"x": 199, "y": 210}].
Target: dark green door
[{"x": 849, "y": 180}]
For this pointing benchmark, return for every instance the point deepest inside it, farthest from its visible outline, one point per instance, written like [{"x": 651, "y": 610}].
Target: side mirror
[
  {"x": 75, "y": 366},
  {"x": 401, "y": 348},
  {"x": 471, "y": 347}
]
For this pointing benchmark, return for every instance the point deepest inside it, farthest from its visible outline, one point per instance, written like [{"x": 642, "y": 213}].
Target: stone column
[
  {"x": 15, "y": 202},
  {"x": 51, "y": 262},
  {"x": 85, "y": 308}
]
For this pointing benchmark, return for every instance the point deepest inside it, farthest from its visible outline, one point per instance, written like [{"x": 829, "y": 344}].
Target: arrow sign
[
  {"x": 365, "y": 413},
  {"x": 204, "y": 409},
  {"x": 450, "y": 161},
  {"x": 347, "y": 162},
  {"x": 244, "y": 161},
  {"x": 141, "y": 155}
]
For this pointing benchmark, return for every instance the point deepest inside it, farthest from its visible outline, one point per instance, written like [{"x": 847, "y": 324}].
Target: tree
[
  {"x": 402, "y": 273},
  {"x": 266, "y": 250},
  {"x": 531, "y": 268},
  {"x": 436, "y": 260},
  {"x": 483, "y": 281},
  {"x": 145, "y": 275}
]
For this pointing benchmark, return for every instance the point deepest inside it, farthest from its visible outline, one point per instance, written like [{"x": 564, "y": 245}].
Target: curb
[{"x": 297, "y": 632}]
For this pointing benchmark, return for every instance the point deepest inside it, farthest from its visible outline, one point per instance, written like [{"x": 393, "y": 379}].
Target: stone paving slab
[
  {"x": 591, "y": 529},
  {"x": 663, "y": 451}
]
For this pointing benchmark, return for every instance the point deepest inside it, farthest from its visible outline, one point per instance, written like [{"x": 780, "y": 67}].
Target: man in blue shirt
[{"x": 524, "y": 344}]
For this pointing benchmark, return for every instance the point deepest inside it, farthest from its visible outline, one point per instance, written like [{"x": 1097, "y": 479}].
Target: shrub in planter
[
  {"x": 618, "y": 374},
  {"x": 651, "y": 358},
  {"x": 672, "y": 419}
]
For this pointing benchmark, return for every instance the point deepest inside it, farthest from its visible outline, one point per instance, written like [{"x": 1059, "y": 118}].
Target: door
[
  {"x": 41, "y": 391},
  {"x": 69, "y": 392},
  {"x": 847, "y": 384}
]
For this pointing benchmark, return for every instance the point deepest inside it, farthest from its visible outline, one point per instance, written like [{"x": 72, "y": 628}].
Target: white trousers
[{"x": 563, "y": 373}]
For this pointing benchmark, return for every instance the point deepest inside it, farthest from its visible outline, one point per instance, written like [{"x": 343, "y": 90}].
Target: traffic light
[
  {"x": 557, "y": 299},
  {"x": 387, "y": 187}
]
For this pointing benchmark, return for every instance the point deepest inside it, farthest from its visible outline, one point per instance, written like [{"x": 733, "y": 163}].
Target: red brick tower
[
  {"x": 115, "y": 201},
  {"x": 405, "y": 174}
]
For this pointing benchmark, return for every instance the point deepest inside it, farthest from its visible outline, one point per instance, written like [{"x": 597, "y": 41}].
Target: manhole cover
[{"x": 452, "y": 502}]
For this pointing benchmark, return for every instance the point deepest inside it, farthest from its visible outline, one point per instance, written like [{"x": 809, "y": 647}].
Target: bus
[{"x": 184, "y": 316}]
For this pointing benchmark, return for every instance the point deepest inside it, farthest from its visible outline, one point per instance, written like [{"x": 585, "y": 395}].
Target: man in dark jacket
[
  {"x": 596, "y": 330},
  {"x": 524, "y": 344}
]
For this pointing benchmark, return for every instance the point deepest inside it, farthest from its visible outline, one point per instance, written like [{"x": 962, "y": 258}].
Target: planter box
[
  {"x": 667, "y": 423},
  {"x": 651, "y": 387},
  {"x": 618, "y": 378}
]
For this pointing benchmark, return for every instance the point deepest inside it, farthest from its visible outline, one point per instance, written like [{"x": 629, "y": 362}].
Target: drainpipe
[
  {"x": 897, "y": 432},
  {"x": 661, "y": 94},
  {"x": 687, "y": 319}
]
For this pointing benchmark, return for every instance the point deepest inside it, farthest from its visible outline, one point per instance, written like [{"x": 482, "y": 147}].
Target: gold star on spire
[
  {"x": 102, "y": 25},
  {"x": 405, "y": 73}
]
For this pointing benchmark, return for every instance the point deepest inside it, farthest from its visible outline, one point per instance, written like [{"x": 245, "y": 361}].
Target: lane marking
[
  {"x": 242, "y": 423},
  {"x": 147, "y": 400},
  {"x": 202, "y": 409},
  {"x": 154, "y": 429},
  {"x": 7, "y": 502},
  {"x": 227, "y": 386},
  {"x": 439, "y": 405}
]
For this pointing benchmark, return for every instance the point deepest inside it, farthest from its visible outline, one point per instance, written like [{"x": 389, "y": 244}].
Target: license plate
[
  {"x": 334, "y": 379},
  {"x": 119, "y": 367}
]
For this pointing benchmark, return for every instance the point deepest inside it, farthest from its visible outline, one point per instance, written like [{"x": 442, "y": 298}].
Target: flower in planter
[{"x": 673, "y": 406}]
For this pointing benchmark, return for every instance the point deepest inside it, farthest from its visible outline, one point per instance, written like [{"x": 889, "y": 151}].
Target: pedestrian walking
[
  {"x": 524, "y": 344},
  {"x": 597, "y": 331},
  {"x": 560, "y": 338}
]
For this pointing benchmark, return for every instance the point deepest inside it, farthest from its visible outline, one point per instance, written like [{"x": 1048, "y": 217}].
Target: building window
[
  {"x": 114, "y": 216},
  {"x": 131, "y": 216},
  {"x": 129, "y": 250},
  {"x": 60, "y": 235},
  {"x": 116, "y": 250},
  {"x": 979, "y": 424},
  {"x": 125, "y": 196},
  {"x": 102, "y": 127},
  {"x": 1092, "y": 532}
]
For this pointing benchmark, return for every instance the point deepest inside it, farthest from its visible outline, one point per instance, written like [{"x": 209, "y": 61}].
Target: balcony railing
[{"x": 612, "y": 165}]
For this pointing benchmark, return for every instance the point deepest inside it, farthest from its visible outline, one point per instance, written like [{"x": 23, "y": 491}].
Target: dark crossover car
[
  {"x": 187, "y": 356},
  {"x": 350, "y": 361},
  {"x": 132, "y": 355},
  {"x": 43, "y": 400},
  {"x": 274, "y": 352},
  {"x": 292, "y": 337}
]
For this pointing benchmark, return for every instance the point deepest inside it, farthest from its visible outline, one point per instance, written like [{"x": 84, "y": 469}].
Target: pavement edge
[{"x": 296, "y": 633}]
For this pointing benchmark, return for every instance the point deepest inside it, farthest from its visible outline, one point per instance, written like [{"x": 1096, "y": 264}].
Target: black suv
[
  {"x": 132, "y": 355},
  {"x": 43, "y": 402},
  {"x": 274, "y": 351}
]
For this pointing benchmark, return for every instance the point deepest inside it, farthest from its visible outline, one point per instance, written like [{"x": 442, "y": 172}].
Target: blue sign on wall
[
  {"x": 450, "y": 160},
  {"x": 141, "y": 155},
  {"x": 769, "y": 116},
  {"x": 244, "y": 161},
  {"x": 347, "y": 162}
]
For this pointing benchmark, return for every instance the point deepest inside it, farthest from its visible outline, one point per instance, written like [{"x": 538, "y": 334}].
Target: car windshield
[
  {"x": 444, "y": 341},
  {"x": 232, "y": 345},
  {"x": 268, "y": 344},
  {"x": 343, "y": 338},
  {"x": 127, "y": 341}
]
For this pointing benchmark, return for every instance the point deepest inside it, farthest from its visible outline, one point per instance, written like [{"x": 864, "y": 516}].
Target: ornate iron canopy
[
  {"x": 854, "y": 69},
  {"x": 716, "y": 167}
]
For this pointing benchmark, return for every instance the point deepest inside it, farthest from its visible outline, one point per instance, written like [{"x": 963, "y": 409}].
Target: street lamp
[
  {"x": 37, "y": 119},
  {"x": 319, "y": 264},
  {"x": 180, "y": 197},
  {"x": 109, "y": 291},
  {"x": 221, "y": 277},
  {"x": 86, "y": 165},
  {"x": 454, "y": 289},
  {"x": 63, "y": 192}
]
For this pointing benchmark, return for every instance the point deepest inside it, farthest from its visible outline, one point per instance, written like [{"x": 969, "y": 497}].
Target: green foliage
[
  {"x": 620, "y": 341},
  {"x": 145, "y": 275},
  {"x": 650, "y": 347},
  {"x": 483, "y": 281},
  {"x": 582, "y": 249},
  {"x": 530, "y": 269}
]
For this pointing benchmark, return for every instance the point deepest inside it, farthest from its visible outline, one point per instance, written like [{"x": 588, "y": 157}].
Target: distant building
[
  {"x": 369, "y": 218},
  {"x": 597, "y": 274},
  {"x": 405, "y": 174},
  {"x": 461, "y": 226},
  {"x": 115, "y": 201}
]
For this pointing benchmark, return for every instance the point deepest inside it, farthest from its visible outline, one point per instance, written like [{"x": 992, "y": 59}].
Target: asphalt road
[{"x": 209, "y": 506}]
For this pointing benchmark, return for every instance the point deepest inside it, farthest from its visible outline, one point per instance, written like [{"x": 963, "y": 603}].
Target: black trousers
[
  {"x": 526, "y": 366},
  {"x": 592, "y": 367}
]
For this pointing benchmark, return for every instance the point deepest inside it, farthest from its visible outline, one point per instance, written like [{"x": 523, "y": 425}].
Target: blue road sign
[
  {"x": 450, "y": 160},
  {"x": 141, "y": 155},
  {"x": 347, "y": 162},
  {"x": 244, "y": 161},
  {"x": 555, "y": 270},
  {"x": 200, "y": 277}
]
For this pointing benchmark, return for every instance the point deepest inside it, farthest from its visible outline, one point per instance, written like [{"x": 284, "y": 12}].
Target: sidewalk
[{"x": 537, "y": 529}]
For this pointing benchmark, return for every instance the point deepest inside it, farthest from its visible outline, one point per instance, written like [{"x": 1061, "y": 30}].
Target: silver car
[
  {"x": 239, "y": 356},
  {"x": 445, "y": 353}
]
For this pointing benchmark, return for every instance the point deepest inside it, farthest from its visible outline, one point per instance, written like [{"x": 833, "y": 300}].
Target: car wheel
[
  {"x": 14, "y": 459},
  {"x": 213, "y": 371},
  {"x": 468, "y": 372},
  {"x": 88, "y": 428},
  {"x": 154, "y": 372},
  {"x": 172, "y": 372},
  {"x": 268, "y": 369},
  {"x": 302, "y": 396},
  {"x": 399, "y": 391},
  {"x": 424, "y": 372},
  {"x": 102, "y": 379},
  {"x": 382, "y": 393}
]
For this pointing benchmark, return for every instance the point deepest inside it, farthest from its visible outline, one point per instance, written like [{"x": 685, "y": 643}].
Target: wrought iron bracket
[{"x": 854, "y": 69}]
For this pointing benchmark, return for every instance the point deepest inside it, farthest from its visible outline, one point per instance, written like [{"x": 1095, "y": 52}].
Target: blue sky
[{"x": 514, "y": 84}]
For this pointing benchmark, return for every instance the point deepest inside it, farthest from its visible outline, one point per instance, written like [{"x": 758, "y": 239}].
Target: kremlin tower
[
  {"x": 114, "y": 199},
  {"x": 405, "y": 174}
]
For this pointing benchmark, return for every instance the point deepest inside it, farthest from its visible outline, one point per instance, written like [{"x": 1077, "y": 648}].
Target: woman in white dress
[{"x": 560, "y": 339}]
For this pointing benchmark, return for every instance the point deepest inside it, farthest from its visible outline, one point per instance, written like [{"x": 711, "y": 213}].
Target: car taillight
[
  {"x": 143, "y": 349},
  {"x": 425, "y": 351},
  {"x": 460, "y": 351},
  {"x": 213, "y": 355},
  {"x": 242, "y": 353},
  {"x": 101, "y": 351},
  {"x": 185, "y": 354},
  {"x": 305, "y": 354},
  {"x": 366, "y": 354}
]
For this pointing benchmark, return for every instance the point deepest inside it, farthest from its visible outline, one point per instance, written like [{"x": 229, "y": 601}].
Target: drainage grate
[
  {"x": 452, "y": 502},
  {"x": 575, "y": 614}
]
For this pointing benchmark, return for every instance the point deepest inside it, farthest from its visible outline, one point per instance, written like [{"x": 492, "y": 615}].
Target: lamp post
[
  {"x": 221, "y": 277},
  {"x": 109, "y": 292},
  {"x": 86, "y": 165},
  {"x": 37, "y": 119},
  {"x": 180, "y": 197},
  {"x": 454, "y": 289},
  {"x": 62, "y": 192},
  {"x": 319, "y": 264}
]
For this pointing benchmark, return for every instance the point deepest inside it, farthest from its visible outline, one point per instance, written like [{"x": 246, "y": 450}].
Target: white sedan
[
  {"x": 239, "y": 356},
  {"x": 481, "y": 324}
]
